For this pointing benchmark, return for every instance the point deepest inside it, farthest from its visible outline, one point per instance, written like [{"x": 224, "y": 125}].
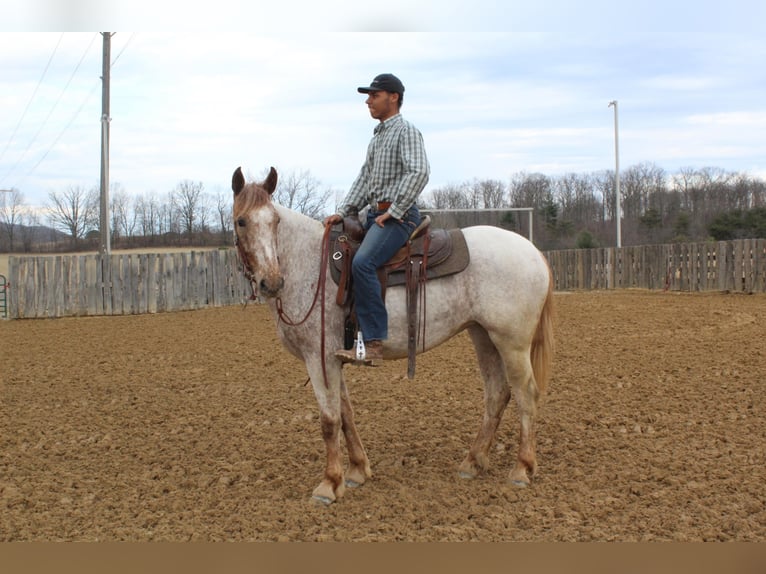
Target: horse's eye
[{"x": 241, "y": 222}]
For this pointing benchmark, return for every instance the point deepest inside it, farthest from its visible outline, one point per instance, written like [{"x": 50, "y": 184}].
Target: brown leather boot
[{"x": 373, "y": 354}]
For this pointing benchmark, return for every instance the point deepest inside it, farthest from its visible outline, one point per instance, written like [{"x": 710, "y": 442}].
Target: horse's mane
[{"x": 251, "y": 197}]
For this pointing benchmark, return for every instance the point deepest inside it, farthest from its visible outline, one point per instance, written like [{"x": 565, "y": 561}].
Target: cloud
[{"x": 195, "y": 105}]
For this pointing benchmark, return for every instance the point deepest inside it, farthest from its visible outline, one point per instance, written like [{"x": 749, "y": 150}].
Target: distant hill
[{"x": 34, "y": 234}]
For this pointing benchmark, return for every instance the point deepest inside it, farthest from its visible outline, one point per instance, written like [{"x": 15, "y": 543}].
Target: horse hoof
[
  {"x": 519, "y": 483},
  {"x": 352, "y": 483},
  {"x": 322, "y": 500},
  {"x": 466, "y": 475}
]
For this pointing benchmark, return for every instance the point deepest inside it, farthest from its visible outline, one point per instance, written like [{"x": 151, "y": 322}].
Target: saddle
[{"x": 427, "y": 255}]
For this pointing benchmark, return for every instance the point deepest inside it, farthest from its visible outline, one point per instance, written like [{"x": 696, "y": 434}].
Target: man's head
[{"x": 384, "y": 96}]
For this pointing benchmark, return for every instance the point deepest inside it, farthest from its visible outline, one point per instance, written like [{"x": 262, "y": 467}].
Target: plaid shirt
[{"x": 396, "y": 169}]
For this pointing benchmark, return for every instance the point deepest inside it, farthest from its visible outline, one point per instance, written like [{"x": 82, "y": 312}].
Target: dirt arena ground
[{"x": 198, "y": 426}]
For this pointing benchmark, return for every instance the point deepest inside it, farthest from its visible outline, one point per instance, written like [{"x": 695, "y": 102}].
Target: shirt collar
[{"x": 384, "y": 125}]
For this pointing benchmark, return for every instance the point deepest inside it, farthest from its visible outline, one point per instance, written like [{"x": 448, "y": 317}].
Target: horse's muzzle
[{"x": 270, "y": 287}]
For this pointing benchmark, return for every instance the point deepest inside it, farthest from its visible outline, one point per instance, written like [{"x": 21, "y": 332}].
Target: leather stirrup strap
[
  {"x": 344, "y": 283},
  {"x": 423, "y": 278},
  {"x": 417, "y": 275},
  {"x": 414, "y": 270}
]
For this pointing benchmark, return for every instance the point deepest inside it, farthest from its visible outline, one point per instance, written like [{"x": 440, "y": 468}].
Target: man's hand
[{"x": 381, "y": 219}]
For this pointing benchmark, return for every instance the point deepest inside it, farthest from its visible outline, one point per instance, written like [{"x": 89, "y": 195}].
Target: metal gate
[{"x": 3, "y": 297}]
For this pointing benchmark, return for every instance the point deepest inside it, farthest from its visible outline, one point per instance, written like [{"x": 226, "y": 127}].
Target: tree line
[
  {"x": 578, "y": 210},
  {"x": 186, "y": 215},
  {"x": 573, "y": 210}
]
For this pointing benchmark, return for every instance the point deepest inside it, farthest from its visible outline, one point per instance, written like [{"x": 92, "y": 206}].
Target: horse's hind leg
[
  {"x": 497, "y": 394},
  {"x": 359, "y": 465},
  {"x": 525, "y": 390}
]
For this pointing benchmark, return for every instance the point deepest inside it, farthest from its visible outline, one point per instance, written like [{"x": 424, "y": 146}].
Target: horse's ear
[
  {"x": 270, "y": 184},
  {"x": 237, "y": 181}
]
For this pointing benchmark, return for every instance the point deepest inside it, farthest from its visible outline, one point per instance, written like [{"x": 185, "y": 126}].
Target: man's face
[{"x": 382, "y": 105}]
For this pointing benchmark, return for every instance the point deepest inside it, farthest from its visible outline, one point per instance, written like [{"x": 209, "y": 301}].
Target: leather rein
[{"x": 320, "y": 289}]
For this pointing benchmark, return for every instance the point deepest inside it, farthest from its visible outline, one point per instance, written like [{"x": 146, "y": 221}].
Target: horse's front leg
[
  {"x": 335, "y": 414},
  {"x": 328, "y": 395},
  {"x": 332, "y": 486}
]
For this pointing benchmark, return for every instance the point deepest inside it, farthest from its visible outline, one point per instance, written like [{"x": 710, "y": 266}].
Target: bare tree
[
  {"x": 11, "y": 210},
  {"x": 301, "y": 191},
  {"x": 204, "y": 214},
  {"x": 223, "y": 207},
  {"x": 478, "y": 194},
  {"x": 147, "y": 208},
  {"x": 640, "y": 183},
  {"x": 188, "y": 201},
  {"x": 30, "y": 220},
  {"x": 124, "y": 213},
  {"x": 530, "y": 190},
  {"x": 492, "y": 193},
  {"x": 74, "y": 211},
  {"x": 451, "y": 196},
  {"x": 755, "y": 190}
]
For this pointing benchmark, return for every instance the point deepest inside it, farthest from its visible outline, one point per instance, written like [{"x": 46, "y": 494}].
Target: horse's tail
[{"x": 543, "y": 342}]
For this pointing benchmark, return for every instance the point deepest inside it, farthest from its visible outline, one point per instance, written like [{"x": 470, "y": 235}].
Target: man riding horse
[{"x": 393, "y": 175}]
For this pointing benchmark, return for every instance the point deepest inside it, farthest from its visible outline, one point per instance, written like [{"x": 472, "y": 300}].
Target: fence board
[{"x": 759, "y": 282}]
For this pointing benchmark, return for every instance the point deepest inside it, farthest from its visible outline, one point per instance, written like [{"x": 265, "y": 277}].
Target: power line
[
  {"x": 123, "y": 48},
  {"x": 53, "y": 108},
  {"x": 71, "y": 121},
  {"x": 74, "y": 115},
  {"x": 23, "y": 115}
]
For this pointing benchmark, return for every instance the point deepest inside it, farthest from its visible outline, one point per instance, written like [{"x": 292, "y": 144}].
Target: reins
[{"x": 321, "y": 287}]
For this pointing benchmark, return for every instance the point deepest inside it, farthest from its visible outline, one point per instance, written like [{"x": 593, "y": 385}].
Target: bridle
[
  {"x": 249, "y": 274},
  {"x": 247, "y": 271}
]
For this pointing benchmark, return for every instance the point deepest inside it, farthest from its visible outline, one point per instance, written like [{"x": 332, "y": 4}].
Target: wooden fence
[
  {"x": 713, "y": 266},
  {"x": 123, "y": 284},
  {"x": 132, "y": 283}
]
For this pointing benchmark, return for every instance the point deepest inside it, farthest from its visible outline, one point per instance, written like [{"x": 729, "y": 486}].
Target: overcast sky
[{"x": 520, "y": 89}]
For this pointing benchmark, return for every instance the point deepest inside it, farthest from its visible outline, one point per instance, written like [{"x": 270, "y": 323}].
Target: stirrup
[
  {"x": 349, "y": 356},
  {"x": 358, "y": 354}
]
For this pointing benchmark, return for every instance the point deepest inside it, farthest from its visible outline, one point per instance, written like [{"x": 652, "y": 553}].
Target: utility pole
[
  {"x": 105, "y": 246},
  {"x": 618, "y": 213}
]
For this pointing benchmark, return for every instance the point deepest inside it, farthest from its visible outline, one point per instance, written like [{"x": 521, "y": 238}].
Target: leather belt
[{"x": 384, "y": 205}]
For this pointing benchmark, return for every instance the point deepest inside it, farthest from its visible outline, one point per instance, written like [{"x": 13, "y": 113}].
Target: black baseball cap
[{"x": 384, "y": 83}]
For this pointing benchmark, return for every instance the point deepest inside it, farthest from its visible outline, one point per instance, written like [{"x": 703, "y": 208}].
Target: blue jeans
[{"x": 378, "y": 246}]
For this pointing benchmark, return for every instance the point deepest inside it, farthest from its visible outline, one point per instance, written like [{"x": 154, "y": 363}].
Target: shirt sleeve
[
  {"x": 415, "y": 171},
  {"x": 356, "y": 198}
]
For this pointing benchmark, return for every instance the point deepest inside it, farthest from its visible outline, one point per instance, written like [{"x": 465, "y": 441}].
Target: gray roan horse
[{"x": 503, "y": 298}]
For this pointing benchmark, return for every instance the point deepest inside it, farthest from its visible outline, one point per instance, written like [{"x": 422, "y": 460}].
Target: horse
[{"x": 503, "y": 298}]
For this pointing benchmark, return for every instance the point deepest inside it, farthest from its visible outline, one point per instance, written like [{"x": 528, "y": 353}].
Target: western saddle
[{"x": 428, "y": 254}]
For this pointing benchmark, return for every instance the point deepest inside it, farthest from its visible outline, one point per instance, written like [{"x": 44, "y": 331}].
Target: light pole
[{"x": 618, "y": 214}]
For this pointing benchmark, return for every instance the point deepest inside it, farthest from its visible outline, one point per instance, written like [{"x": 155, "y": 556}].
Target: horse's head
[{"x": 255, "y": 226}]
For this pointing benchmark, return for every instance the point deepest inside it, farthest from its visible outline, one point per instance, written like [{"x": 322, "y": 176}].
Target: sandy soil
[{"x": 198, "y": 426}]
